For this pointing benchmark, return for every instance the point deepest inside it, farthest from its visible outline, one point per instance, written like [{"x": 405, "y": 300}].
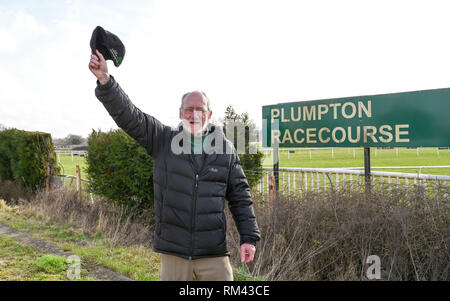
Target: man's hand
[
  {"x": 247, "y": 252},
  {"x": 99, "y": 68}
]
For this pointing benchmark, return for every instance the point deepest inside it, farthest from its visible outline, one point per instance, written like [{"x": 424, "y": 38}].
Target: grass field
[
  {"x": 19, "y": 262},
  {"x": 69, "y": 163},
  {"x": 134, "y": 261},
  {"x": 328, "y": 158}
]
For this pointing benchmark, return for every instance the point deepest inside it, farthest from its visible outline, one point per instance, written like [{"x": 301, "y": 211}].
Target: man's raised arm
[{"x": 145, "y": 129}]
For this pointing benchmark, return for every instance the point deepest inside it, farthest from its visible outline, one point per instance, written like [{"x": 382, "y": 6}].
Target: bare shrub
[
  {"x": 121, "y": 224},
  {"x": 329, "y": 236},
  {"x": 12, "y": 192}
]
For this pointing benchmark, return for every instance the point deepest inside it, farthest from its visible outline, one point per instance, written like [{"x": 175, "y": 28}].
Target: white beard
[{"x": 198, "y": 132}]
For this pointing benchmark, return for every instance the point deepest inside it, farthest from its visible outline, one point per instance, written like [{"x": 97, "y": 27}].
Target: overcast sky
[{"x": 244, "y": 53}]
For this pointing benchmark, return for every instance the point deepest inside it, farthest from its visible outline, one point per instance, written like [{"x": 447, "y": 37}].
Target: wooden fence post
[
  {"x": 47, "y": 180},
  {"x": 78, "y": 183}
]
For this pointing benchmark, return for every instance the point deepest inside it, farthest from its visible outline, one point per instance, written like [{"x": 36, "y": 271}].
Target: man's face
[{"x": 194, "y": 113}]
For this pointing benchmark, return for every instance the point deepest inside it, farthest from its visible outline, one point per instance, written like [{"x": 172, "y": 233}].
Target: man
[{"x": 190, "y": 186}]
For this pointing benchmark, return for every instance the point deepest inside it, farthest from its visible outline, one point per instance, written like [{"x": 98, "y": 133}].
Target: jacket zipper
[{"x": 194, "y": 208}]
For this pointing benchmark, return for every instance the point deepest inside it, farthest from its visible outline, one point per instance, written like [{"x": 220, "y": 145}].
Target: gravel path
[{"x": 95, "y": 271}]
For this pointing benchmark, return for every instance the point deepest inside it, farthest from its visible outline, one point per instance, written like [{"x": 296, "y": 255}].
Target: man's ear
[
  {"x": 181, "y": 114},
  {"x": 210, "y": 114}
]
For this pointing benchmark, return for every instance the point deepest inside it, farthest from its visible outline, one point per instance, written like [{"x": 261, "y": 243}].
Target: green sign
[{"x": 419, "y": 118}]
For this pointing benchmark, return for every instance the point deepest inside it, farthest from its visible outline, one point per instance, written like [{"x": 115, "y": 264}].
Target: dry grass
[
  {"x": 121, "y": 225},
  {"x": 329, "y": 237},
  {"x": 316, "y": 237},
  {"x": 3, "y": 205},
  {"x": 12, "y": 192}
]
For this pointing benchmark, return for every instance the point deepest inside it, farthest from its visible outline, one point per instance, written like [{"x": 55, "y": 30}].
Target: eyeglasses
[{"x": 191, "y": 110}]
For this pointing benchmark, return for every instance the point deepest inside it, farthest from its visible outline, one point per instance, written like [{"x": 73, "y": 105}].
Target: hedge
[
  {"x": 119, "y": 168},
  {"x": 23, "y": 158}
]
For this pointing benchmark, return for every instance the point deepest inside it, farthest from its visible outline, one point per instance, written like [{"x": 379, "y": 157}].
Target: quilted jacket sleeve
[
  {"x": 241, "y": 205},
  {"x": 145, "y": 129}
]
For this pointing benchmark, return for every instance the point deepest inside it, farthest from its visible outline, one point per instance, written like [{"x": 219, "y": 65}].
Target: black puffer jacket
[{"x": 189, "y": 203}]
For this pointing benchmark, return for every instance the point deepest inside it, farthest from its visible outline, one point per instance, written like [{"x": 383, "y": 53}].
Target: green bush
[
  {"x": 119, "y": 168},
  {"x": 23, "y": 158}
]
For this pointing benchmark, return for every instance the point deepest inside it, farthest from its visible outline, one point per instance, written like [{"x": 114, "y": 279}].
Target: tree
[
  {"x": 73, "y": 139},
  {"x": 244, "y": 129},
  {"x": 2, "y": 127}
]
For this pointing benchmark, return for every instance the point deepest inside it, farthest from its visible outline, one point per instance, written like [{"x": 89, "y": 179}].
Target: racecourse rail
[{"x": 297, "y": 181}]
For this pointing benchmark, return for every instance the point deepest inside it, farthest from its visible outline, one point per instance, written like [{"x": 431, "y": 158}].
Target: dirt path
[{"x": 95, "y": 271}]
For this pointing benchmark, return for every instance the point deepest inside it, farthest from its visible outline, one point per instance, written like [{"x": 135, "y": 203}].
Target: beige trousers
[{"x": 174, "y": 268}]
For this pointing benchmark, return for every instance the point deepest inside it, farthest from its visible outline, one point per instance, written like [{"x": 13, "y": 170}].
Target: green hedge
[
  {"x": 23, "y": 157},
  {"x": 119, "y": 168}
]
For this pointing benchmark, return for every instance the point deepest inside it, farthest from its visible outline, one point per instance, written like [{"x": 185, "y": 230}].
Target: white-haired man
[{"x": 190, "y": 187}]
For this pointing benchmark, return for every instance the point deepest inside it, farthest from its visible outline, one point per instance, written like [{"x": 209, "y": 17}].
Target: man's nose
[{"x": 198, "y": 115}]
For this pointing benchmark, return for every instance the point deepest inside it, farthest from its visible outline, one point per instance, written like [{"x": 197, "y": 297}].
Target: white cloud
[
  {"x": 245, "y": 53},
  {"x": 23, "y": 30},
  {"x": 48, "y": 87},
  {"x": 251, "y": 53}
]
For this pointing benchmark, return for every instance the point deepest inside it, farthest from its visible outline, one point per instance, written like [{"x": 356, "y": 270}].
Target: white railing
[
  {"x": 72, "y": 153},
  {"x": 297, "y": 181}
]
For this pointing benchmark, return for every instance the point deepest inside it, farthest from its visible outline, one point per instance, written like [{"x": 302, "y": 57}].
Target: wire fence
[{"x": 74, "y": 182}]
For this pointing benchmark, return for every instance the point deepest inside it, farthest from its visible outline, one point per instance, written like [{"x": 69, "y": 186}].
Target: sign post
[
  {"x": 367, "y": 167},
  {"x": 276, "y": 168}
]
